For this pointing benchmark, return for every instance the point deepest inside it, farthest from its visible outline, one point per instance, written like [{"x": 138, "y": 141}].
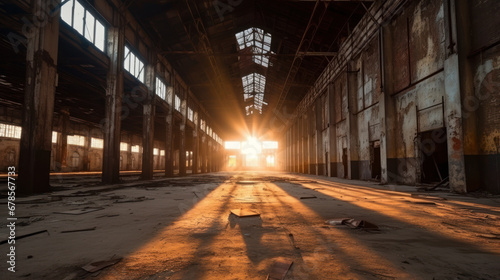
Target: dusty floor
[{"x": 182, "y": 229}]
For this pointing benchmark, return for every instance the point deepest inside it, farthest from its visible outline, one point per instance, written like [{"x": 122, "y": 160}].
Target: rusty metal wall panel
[
  {"x": 427, "y": 39},
  {"x": 371, "y": 72},
  {"x": 485, "y": 22},
  {"x": 400, "y": 60}
]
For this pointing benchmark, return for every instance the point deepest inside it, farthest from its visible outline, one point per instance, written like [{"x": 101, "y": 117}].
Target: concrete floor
[{"x": 184, "y": 230}]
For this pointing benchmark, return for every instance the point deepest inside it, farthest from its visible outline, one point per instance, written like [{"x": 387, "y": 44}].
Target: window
[
  {"x": 161, "y": 89},
  {"x": 10, "y": 131},
  {"x": 202, "y": 125},
  {"x": 123, "y": 147},
  {"x": 96, "y": 143},
  {"x": 258, "y": 41},
  {"x": 162, "y": 153},
  {"x": 270, "y": 145},
  {"x": 135, "y": 149},
  {"x": 177, "y": 103},
  {"x": 76, "y": 140},
  {"x": 84, "y": 22},
  {"x": 156, "y": 151},
  {"x": 133, "y": 65},
  {"x": 54, "y": 137},
  {"x": 232, "y": 145},
  {"x": 190, "y": 114}
]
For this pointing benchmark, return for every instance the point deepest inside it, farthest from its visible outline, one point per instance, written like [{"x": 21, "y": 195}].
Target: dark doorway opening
[
  {"x": 434, "y": 155},
  {"x": 344, "y": 162},
  {"x": 375, "y": 164},
  {"x": 326, "y": 164}
]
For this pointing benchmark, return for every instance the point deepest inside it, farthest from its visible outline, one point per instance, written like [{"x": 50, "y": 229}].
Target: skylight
[
  {"x": 253, "y": 87},
  {"x": 258, "y": 41}
]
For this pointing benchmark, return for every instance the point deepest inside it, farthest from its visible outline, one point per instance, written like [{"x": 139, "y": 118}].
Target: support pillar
[
  {"x": 129, "y": 152},
  {"x": 332, "y": 132},
  {"x": 203, "y": 154},
  {"x": 41, "y": 82},
  {"x": 62, "y": 143},
  {"x": 148, "y": 125},
  {"x": 387, "y": 111},
  {"x": 194, "y": 169},
  {"x": 452, "y": 96},
  {"x": 169, "y": 164},
  {"x": 182, "y": 139},
  {"x": 114, "y": 94}
]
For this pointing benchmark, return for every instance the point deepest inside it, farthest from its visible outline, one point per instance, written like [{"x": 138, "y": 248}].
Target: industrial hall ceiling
[{"x": 245, "y": 60}]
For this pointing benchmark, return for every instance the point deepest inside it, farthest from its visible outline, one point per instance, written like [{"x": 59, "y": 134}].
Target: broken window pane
[
  {"x": 67, "y": 12},
  {"x": 100, "y": 35},
  {"x": 78, "y": 17}
]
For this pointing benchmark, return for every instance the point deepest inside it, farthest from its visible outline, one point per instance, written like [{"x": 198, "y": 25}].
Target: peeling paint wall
[{"x": 481, "y": 101}]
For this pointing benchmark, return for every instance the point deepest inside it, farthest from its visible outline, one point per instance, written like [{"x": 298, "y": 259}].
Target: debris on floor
[
  {"x": 137, "y": 199},
  {"x": 79, "y": 211},
  {"x": 421, "y": 202},
  {"x": 279, "y": 269},
  {"x": 246, "y": 182},
  {"x": 244, "y": 213},
  {"x": 25, "y": 235},
  {"x": 37, "y": 201},
  {"x": 96, "y": 266},
  {"x": 83, "y": 202},
  {"x": 427, "y": 197},
  {"x": 78, "y": 230},
  {"x": 107, "y": 216},
  {"x": 31, "y": 220},
  {"x": 353, "y": 223},
  {"x": 308, "y": 197}
]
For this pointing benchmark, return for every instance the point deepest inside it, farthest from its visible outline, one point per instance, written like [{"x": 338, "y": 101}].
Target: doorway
[
  {"x": 434, "y": 155},
  {"x": 375, "y": 164},
  {"x": 344, "y": 162}
]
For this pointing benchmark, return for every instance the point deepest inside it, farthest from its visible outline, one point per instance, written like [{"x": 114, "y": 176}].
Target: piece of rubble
[
  {"x": 279, "y": 269},
  {"x": 96, "y": 266},
  {"x": 244, "y": 213}
]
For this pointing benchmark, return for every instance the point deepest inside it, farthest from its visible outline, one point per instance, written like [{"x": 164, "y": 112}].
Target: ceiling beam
[{"x": 249, "y": 54}]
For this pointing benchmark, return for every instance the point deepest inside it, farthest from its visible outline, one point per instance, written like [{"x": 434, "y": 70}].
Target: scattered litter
[
  {"x": 78, "y": 202},
  {"x": 31, "y": 220},
  {"x": 244, "y": 213},
  {"x": 78, "y": 194},
  {"x": 279, "y": 269},
  {"x": 196, "y": 195},
  {"x": 37, "y": 201},
  {"x": 79, "y": 211},
  {"x": 26, "y": 235},
  {"x": 489, "y": 236},
  {"x": 352, "y": 223},
  {"x": 111, "y": 215},
  {"x": 374, "y": 273},
  {"x": 292, "y": 241},
  {"x": 137, "y": 199},
  {"x": 96, "y": 266},
  {"x": 246, "y": 182},
  {"x": 308, "y": 197},
  {"x": 427, "y": 197},
  {"x": 77, "y": 230},
  {"x": 421, "y": 202}
]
